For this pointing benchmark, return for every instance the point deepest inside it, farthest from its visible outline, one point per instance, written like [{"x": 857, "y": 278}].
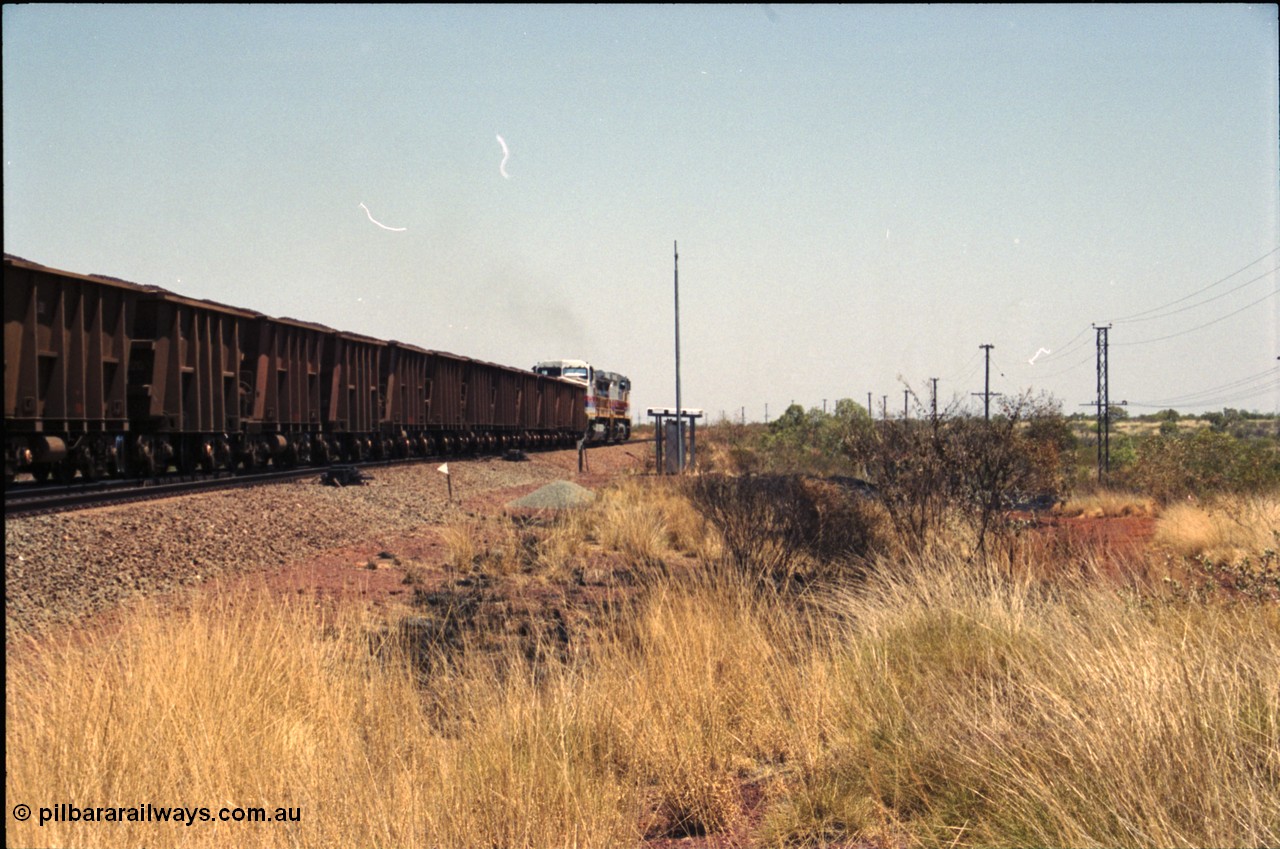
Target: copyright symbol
[{"x": 21, "y": 812}]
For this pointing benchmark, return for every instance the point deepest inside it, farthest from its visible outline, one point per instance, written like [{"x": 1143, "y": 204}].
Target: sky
[{"x": 862, "y": 196}]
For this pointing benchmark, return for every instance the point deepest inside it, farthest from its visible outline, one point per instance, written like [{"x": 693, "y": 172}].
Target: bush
[
  {"x": 1175, "y": 466},
  {"x": 787, "y": 530},
  {"x": 800, "y": 441},
  {"x": 962, "y": 466}
]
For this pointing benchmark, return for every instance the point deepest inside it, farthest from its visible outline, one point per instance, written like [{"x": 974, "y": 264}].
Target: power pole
[
  {"x": 871, "y": 414},
  {"x": 986, "y": 392},
  {"x": 675, "y": 249},
  {"x": 906, "y": 394},
  {"x": 884, "y": 408},
  {"x": 933, "y": 402},
  {"x": 1104, "y": 405}
]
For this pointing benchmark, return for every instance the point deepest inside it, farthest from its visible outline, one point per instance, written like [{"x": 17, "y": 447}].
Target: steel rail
[
  {"x": 25, "y": 500},
  {"x": 64, "y": 499}
]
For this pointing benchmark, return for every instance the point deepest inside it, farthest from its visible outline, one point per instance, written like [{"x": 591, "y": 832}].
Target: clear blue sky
[{"x": 862, "y": 195}]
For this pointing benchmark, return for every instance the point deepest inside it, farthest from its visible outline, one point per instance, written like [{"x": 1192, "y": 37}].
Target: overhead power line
[
  {"x": 1076, "y": 341},
  {"x": 957, "y": 377},
  {"x": 1072, "y": 367},
  {"x": 1205, "y": 324},
  {"x": 1217, "y": 401},
  {"x": 1081, "y": 338},
  {"x": 1135, "y": 315},
  {"x": 1248, "y": 282},
  {"x": 1244, "y": 387}
]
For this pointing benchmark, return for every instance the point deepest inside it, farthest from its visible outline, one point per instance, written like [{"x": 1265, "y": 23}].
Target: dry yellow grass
[
  {"x": 983, "y": 710},
  {"x": 1100, "y": 503},
  {"x": 461, "y": 537},
  {"x": 935, "y": 703},
  {"x": 273, "y": 703},
  {"x": 1227, "y": 529}
]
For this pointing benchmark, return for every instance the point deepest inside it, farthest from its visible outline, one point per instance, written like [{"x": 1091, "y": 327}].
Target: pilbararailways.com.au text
[{"x": 66, "y": 813}]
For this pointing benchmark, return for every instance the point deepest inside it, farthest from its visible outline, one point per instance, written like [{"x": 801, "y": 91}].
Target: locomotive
[
  {"x": 107, "y": 378},
  {"x": 608, "y": 397}
]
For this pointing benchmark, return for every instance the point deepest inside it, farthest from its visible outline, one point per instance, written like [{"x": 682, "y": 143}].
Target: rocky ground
[{"x": 61, "y": 569}]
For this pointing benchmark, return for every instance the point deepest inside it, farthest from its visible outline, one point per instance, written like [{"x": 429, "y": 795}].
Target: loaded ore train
[{"x": 106, "y": 378}]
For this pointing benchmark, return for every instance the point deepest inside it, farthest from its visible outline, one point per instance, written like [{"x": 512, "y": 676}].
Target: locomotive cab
[{"x": 608, "y": 397}]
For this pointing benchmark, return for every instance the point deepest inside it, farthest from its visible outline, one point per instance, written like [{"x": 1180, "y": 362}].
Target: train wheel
[
  {"x": 144, "y": 458},
  {"x": 82, "y": 460},
  {"x": 206, "y": 456},
  {"x": 40, "y": 474},
  {"x": 223, "y": 457},
  {"x": 255, "y": 456}
]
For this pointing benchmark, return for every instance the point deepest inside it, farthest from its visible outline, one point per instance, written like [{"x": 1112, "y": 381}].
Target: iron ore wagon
[{"x": 107, "y": 378}]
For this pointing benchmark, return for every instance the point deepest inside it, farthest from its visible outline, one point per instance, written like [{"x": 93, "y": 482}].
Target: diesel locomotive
[
  {"x": 608, "y": 397},
  {"x": 107, "y": 378}
]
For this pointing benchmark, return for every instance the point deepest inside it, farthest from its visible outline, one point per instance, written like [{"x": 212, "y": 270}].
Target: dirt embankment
[{"x": 62, "y": 569}]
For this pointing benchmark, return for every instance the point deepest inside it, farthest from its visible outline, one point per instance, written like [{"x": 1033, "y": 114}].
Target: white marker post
[{"x": 444, "y": 470}]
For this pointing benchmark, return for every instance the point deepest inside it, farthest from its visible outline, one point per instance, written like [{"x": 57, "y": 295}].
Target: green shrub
[{"x": 1210, "y": 460}]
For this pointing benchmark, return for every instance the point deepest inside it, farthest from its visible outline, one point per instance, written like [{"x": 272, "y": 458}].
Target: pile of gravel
[{"x": 559, "y": 495}]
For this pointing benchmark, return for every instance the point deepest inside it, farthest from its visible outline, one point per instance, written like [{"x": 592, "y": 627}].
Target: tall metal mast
[{"x": 679, "y": 408}]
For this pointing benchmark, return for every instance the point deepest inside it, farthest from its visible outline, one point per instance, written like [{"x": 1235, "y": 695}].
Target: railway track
[{"x": 24, "y": 500}]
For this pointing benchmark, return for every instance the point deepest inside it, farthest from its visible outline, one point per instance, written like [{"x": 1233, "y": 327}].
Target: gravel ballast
[{"x": 62, "y": 567}]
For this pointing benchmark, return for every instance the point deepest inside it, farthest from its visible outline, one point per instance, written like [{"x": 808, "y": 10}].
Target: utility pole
[
  {"x": 1104, "y": 405},
  {"x": 933, "y": 402},
  {"x": 986, "y": 392},
  {"x": 906, "y": 393},
  {"x": 824, "y": 406},
  {"x": 871, "y": 414},
  {"x": 679, "y": 409},
  {"x": 884, "y": 408}
]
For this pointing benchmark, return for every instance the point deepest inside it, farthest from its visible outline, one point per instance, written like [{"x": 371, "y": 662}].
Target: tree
[{"x": 964, "y": 467}]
